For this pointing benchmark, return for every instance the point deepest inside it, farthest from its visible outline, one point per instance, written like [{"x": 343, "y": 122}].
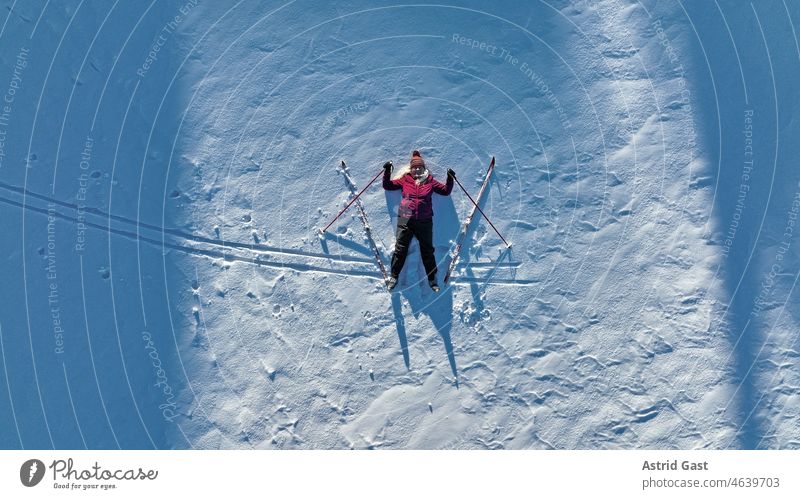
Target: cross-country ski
[
  {"x": 362, "y": 215},
  {"x": 462, "y": 235}
]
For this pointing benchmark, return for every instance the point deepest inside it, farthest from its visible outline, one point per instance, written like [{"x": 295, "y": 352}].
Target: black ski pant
[{"x": 423, "y": 231}]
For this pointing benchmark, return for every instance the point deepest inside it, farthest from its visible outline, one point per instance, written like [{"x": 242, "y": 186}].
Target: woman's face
[{"x": 417, "y": 170}]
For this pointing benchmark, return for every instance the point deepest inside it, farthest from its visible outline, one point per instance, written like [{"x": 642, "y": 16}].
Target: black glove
[
  {"x": 451, "y": 173},
  {"x": 387, "y": 166}
]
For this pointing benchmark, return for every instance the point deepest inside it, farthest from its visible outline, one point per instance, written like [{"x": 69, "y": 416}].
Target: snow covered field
[{"x": 165, "y": 168}]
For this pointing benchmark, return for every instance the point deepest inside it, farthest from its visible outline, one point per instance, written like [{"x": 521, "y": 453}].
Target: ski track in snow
[{"x": 226, "y": 250}]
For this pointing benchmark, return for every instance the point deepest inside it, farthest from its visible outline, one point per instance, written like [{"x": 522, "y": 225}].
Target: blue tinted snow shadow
[
  {"x": 88, "y": 357},
  {"x": 746, "y": 74}
]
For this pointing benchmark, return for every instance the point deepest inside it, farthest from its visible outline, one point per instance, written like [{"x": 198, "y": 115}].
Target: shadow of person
[
  {"x": 400, "y": 322},
  {"x": 440, "y": 311},
  {"x": 438, "y": 307}
]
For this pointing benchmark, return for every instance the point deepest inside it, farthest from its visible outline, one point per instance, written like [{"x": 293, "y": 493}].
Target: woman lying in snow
[{"x": 415, "y": 214}]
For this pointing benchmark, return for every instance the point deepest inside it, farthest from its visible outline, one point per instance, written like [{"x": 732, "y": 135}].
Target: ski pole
[
  {"x": 482, "y": 213},
  {"x": 353, "y": 200}
]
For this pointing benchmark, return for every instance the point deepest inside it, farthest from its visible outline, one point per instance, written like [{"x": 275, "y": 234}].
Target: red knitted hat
[{"x": 416, "y": 160}]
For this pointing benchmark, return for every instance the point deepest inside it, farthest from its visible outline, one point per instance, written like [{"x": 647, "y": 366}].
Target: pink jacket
[{"x": 416, "y": 202}]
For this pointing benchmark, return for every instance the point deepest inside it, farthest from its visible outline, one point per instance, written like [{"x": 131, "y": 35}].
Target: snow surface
[{"x": 166, "y": 167}]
